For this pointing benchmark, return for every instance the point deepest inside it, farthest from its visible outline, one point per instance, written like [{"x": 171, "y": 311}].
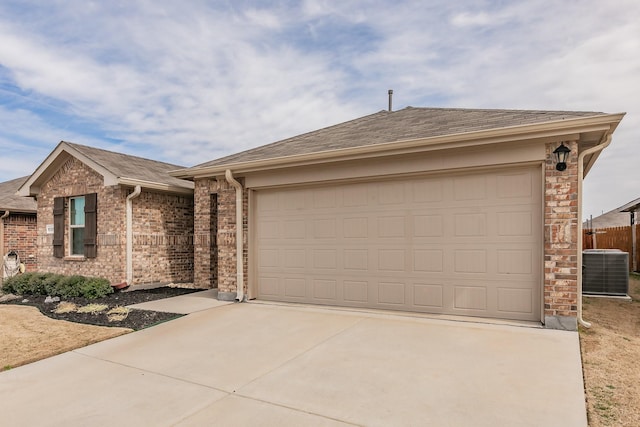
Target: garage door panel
[
  {"x": 355, "y": 292},
  {"x": 470, "y": 261},
  {"x": 458, "y": 244},
  {"x": 428, "y": 296},
  {"x": 470, "y": 298},
  {"x": 470, "y": 188},
  {"x": 295, "y": 287},
  {"x": 392, "y": 293},
  {"x": 391, "y": 193},
  {"x": 428, "y": 260},
  {"x": 470, "y": 224},
  {"x": 515, "y": 300},
  {"x": 516, "y": 261},
  {"x": 514, "y": 185},
  {"x": 356, "y": 228},
  {"x": 325, "y": 289},
  {"x": 515, "y": 223},
  {"x": 428, "y": 225},
  {"x": 427, "y": 190},
  {"x": 391, "y": 260}
]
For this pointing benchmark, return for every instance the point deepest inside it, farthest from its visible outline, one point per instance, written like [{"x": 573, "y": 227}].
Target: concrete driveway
[{"x": 273, "y": 365}]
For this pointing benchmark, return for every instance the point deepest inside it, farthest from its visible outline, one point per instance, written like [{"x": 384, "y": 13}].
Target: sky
[{"x": 188, "y": 81}]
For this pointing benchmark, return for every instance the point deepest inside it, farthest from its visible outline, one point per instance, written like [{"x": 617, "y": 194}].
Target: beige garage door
[{"x": 463, "y": 244}]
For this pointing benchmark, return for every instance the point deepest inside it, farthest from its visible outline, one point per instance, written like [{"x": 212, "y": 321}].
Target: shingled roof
[
  {"x": 116, "y": 168},
  {"x": 406, "y": 124},
  {"x": 131, "y": 167},
  {"x": 10, "y": 201}
]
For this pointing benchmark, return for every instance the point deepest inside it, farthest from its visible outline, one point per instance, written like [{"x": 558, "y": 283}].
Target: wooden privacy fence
[{"x": 613, "y": 238}]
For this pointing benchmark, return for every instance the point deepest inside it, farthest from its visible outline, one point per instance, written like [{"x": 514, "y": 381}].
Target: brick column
[
  {"x": 560, "y": 240},
  {"x": 202, "y": 273},
  {"x": 227, "y": 276}
]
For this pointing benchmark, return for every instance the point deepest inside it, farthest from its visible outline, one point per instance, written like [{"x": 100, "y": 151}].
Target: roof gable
[
  {"x": 10, "y": 201},
  {"x": 115, "y": 168}
]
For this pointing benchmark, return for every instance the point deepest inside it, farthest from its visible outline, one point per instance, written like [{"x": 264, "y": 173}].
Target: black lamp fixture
[{"x": 562, "y": 153}]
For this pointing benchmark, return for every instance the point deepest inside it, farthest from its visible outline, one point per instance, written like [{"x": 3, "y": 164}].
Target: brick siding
[
  {"x": 162, "y": 238},
  {"x": 215, "y": 257},
  {"x": 163, "y": 230},
  {"x": 561, "y": 238},
  {"x": 21, "y": 235}
]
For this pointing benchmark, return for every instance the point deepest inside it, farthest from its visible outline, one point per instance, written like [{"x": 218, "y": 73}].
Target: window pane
[
  {"x": 77, "y": 242},
  {"x": 77, "y": 211}
]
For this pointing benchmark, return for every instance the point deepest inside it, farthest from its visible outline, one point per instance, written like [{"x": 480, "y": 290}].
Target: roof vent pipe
[{"x": 390, "y": 99}]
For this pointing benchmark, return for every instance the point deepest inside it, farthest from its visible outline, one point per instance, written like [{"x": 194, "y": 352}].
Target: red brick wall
[
  {"x": 163, "y": 230},
  {"x": 205, "y": 270},
  {"x": 21, "y": 235},
  {"x": 225, "y": 235},
  {"x": 561, "y": 237},
  {"x": 162, "y": 238}
]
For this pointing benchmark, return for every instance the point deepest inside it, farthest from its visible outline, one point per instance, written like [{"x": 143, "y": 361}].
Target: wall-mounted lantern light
[{"x": 562, "y": 154}]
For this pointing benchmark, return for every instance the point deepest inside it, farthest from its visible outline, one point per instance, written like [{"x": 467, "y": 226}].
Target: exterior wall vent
[{"x": 605, "y": 272}]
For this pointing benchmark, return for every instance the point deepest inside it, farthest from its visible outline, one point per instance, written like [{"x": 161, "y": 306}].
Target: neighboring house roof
[
  {"x": 116, "y": 168},
  {"x": 10, "y": 201},
  {"x": 618, "y": 217},
  {"x": 412, "y": 127},
  {"x": 609, "y": 219}
]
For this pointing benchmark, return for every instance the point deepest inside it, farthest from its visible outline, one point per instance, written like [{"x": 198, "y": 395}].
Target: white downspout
[
  {"x": 239, "y": 235},
  {"x": 4, "y": 215},
  {"x": 136, "y": 192},
  {"x": 581, "y": 157}
]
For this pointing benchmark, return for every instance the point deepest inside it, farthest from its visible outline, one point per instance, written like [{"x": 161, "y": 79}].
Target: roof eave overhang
[
  {"x": 168, "y": 188},
  {"x": 560, "y": 129},
  {"x": 64, "y": 151},
  {"x": 18, "y": 211}
]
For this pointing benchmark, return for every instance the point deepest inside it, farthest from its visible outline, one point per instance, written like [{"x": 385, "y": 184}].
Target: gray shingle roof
[
  {"x": 9, "y": 201},
  {"x": 408, "y": 123},
  {"x": 132, "y": 167}
]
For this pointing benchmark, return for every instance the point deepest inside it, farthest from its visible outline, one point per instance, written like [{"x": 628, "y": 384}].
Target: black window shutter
[
  {"x": 58, "y": 227},
  {"x": 90, "y": 225}
]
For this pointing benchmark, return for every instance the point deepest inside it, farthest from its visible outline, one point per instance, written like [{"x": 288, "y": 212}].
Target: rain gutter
[
  {"x": 130, "y": 197},
  {"x": 581, "y": 157},
  {"x": 239, "y": 236}
]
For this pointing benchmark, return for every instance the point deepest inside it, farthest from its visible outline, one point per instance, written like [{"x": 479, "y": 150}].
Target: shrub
[
  {"x": 57, "y": 285},
  {"x": 95, "y": 287},
  {"x": 18, "y": 284},
  {"x": 36, "y": 284},
  {"x": 70, "y": 286},
  {"x": 50, "y": 283}
]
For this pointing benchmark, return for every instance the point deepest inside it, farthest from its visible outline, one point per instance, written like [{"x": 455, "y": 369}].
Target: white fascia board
[
  {"x": 47, "y": 168},
  {"x": 187, "y": 189}
]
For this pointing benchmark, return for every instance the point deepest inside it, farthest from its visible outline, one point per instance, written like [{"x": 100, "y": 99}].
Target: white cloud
[
  {"x": 187, "y": 84},
  {"x": 263, "y": 18},
  {"x": 466, "y": 19}
]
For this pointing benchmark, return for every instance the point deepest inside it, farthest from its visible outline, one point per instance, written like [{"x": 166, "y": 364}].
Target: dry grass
[
  {"x": 26, "y": 335},
  {"x": 93, "y": 308},
  {"x": 610, "y": 356},
  {"x": 117, "y": 314},
  {"x": 66, "y": 307}
]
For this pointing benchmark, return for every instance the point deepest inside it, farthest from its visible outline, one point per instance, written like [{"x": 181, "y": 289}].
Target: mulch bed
[{"x": 136, "y": 319}]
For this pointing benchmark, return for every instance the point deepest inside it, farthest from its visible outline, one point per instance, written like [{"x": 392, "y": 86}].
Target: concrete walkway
[{"x": 271, "y": 365}]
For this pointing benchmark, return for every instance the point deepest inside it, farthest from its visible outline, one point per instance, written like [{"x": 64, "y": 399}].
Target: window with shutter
[
  {"x": 76, "y": 225},
  {"x": 90, "y": 225},
  {"x": 58, "y": 227}
]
